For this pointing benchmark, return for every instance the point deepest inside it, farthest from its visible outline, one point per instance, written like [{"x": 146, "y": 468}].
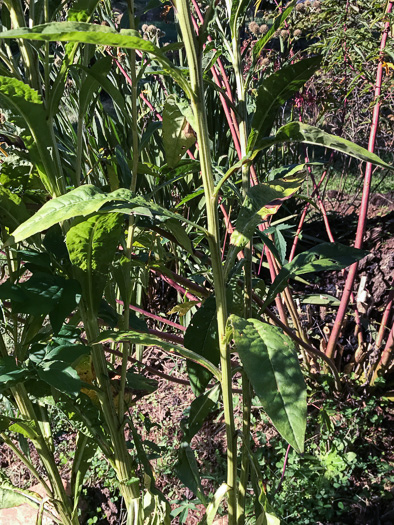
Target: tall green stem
[
  {"x": 246, "y": 387},
  {"x": 121, "y": 459},
  {"x": 198, "y": 107},
  {"x": 131, "y": 228}
]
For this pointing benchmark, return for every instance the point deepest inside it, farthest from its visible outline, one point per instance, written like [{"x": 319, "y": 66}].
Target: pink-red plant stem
[
  {"x": 332, "y": 342},
  {"x": 153, "y": 316}
]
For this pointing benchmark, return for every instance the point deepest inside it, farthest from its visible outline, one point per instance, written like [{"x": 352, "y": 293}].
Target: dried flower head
[
  {"x": 276, "y": 34},
  {"x": 316, "y": 4},
  {"x": 300, "y": 7},
  {"x": 264, "y": 29},
  {"x": 297, "y": 33},
  {"x": 151, "y": 29},
  {"x": 254, "y": 28},
  {"x": 284, "y": 34},
  {"x": 307, "y": 3},
  {"x": 265, "y": 62},
  {"x": 144, "y": 27}
]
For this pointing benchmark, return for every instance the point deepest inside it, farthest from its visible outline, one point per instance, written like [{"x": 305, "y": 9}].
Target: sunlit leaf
[{"x": 270, "y": 361}]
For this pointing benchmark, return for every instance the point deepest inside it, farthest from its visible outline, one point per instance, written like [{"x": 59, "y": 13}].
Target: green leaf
[
  {"x": 81, "y": 32},
  {"x": 270, "y": 361},
  {"x": 10, "y": 373},
  {"x": 200, "y": 408},
  {"x": 141, "y": 384},
  {"x": 299, "y": 132},
  {"x": 178, "y": 231},
  {"x": 278, "y": 22},
  {"x": 238, "y": 11},
  {"x": 84, "y": 452},
  {"x": 21, "y": 426},
  {"x": 12, "y": 209},
  {"x": 84, "y": 201},
  {"x": 214, "y": 504},
  {"x": 150, "y": 340},
  {"x": 91, "y": 244},
  {"x": 68, "y": 353},
  {"x": 81, "y": 10},
  {"x": 61, "y": 376},
  {"x": 29, "y": 114},
  {"x": 187, "y": 471},
  {"x": 43, "y": 294},
  {"x": 201, "y": 337},
  {"x": 178, "y": 135},
  {"x": 274, "y": 91},
  {"x": 10, "y": 497},
  {"x": 320, "y": 299},
  {"x": 256, "y": 205},
  {"x": 324, "y": 257},
  {"x": 90, "y": 85}
]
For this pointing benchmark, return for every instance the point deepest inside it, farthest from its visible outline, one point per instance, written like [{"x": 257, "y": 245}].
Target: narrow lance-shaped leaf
[
  {"x": 270, "y": 361},
  {"x": 150, "y": 340},
  {"x": 299, "y": 132},
  {"x": 201, "y": 336},
  {"x": 187, "y": 471},
  {"x": 274, "y": 91},
  {"x": 324, "y": 257}
]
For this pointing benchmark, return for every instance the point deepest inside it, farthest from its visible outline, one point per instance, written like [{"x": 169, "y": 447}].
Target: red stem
[
  {"x": 153, "y": 316},
  {"x": 332, "y": 342}
]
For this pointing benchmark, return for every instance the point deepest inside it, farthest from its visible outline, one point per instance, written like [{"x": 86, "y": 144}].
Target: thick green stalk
[
  {"x": 131, "y": 228},
  {"x": 246, "y": 387},
  {"x": 28, "y": 55},
  {"x": 121, "y": 459},
  {"x": 63, "y": 504},
  {"x": 199, "y": 111}
]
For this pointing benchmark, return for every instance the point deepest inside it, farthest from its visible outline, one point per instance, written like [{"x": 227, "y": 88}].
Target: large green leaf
[
  {"x": 178, "y": 136},
  {"x": 61, "y": 376},
  {"x": 29, "y": 114},
  {"x": 82, "y": 32},
  {"x": 299, "y": 132},
  {"x": 270, "y": 361},
  {"x": 43, "y": 294},
  {"x": 274, "y": 91},
  {"x": 323, "y": 257},
  {"x": 11, "y": 373},
  {"x": 91, "y": 244},
  {"x": 84, "y": 201},
  {"x": 201, "y": 336}
]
